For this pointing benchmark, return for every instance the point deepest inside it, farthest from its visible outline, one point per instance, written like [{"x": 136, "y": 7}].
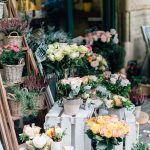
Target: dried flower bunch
[
  {"x": 35, "y": 83},
  {"x": 136, "y": 96},
  {"x": 9, "y": 25}
]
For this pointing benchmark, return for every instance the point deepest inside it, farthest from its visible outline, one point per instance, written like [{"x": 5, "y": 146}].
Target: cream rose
[
  {"x": 51, "y": 57},
  {"x": 59, "y": 56},
  {"x": 39, "y": 142},
  {"x": 74, "y": 55},
  {"x": 83, "y": 49}
]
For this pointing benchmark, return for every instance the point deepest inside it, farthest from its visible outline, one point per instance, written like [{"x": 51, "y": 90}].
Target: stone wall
[{"x": 132, "y": 14}]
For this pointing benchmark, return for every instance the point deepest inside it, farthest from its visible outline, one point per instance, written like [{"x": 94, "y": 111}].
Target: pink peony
[{"x": 94, "y": 64}]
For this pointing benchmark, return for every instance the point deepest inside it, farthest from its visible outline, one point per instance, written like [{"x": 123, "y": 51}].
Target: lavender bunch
[
  {"x": 35, "y": 83},
  {"x": 136, "y": 96},
  {"x": 9, "y": 25}
]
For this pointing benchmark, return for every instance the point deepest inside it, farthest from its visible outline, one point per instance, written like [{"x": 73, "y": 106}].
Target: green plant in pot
[
  {"x": 12, "y": 59},
  {"x": 13, "y": 29},
  {"x": 137, "y": 98},
  {"x": 87, "y": 5},
  {"x": 22, "y": 102},
  {"x": 37, "y": 84},
  {"x": 70, "y": 91}
]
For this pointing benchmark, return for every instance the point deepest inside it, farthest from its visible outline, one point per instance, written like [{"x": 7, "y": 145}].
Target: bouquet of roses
[
  {"x": 106, "y": 131},
  {"x": 34, "y": 140},
  {"x": 69, "y": 88},
  {"x": 116, "y": 83}
]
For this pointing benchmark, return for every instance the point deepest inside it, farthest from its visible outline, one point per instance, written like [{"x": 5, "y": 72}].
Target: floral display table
[{"x": 74, "y": 126}]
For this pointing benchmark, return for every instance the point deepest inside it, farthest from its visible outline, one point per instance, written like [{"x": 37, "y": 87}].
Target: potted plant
[
  {"x": 87, "y": 5},
  {"x": 69, "y": 90},
  {"x": 137, "y": 98},
  {"x": 117, "y": 105},
  {"x": 12, "y": 59},
  {"x": 37, "y": 84},
  {"x": 103, "y": 135},
  {"x": 34, "y": 139},
  {"x": 14, "y": 29},
  {"x": 22, "y": 102},
  {"x": 56, "y": 134}
]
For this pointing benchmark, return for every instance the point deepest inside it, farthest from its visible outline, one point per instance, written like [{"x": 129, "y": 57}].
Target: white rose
[
  {"x": 113, "y": 31},
  {"x": 94, "y": 78},
  {"x": 50, "y": 46},
  {"x": 115, "y": 40},
  {"x": 28, "y": 131},
  {"x": 67, "y": 50},
  {"x": 109, "y": 103},
  {"x": 56, "y": 45},
  {"x": 85, "y": 96},
  {"x": 49, "y": 51},
  {"x": 74, "y": 55},
  {"x": 51, "y": 57},
  {"x": 74, "y": 47},
  {"x": 113, "y": 80},
  {"x": 39, "y": 142},
  {"x": 99, "y": 58},
  {"x": 59, "y": 56},
  {"x": 83, "y": 49},
  {"x": 58, "y": 131}
]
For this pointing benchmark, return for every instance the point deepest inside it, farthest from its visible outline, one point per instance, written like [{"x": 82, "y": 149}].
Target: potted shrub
[
  {"x": 12, "y": 60},
  {"x": 14, "y": 29},
  {"x": 103, "y": 131},
  {"x": 56, "y": 134},
  {"x": 87, "y": 5},
  {"x": 137, "y": 98},
  {"x": 69, "y": 90},
  {"x": 22, "y": 102},
  {"x": 34, "y": 139},
  {"x": 37, "y": 84}
]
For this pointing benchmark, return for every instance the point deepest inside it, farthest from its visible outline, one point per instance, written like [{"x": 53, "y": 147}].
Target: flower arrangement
[
  {"x": 63, "y": 56},
  {"x": 55, "y": 133},
  {"x": 69, "y": 88},
  {"x": 14, "y": 24},
  {"x": 116, "y": 83},
  {"x": 11, "y": 55},
  {"x": 118, "y": 101},
  {"x": 36, "y": 141},
  {"x": 136, "y": 96},
  {"x": 106, "y": 131}
]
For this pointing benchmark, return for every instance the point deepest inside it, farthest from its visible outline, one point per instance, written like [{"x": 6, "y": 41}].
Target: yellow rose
[
  {"x": 50, "y": 132},
  {"x": 95, "y": 128},
  {"x": 108, "y": 134},
  {"x": 59, "y": 56}
]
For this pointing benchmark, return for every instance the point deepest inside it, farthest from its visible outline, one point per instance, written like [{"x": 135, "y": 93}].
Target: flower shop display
[
  {"x": 37, "y": 84},
  {"x": 137, "y": 98},
  {"x": 106, "y": 44},
  {"x": 116, "y": 83},
  {"x": 106, "y": 131},
  {"x": 34, "y": 139},
  {"x": 22, "y": 102},
  {"x": 14, "y": 29},
  {"x": 69, "y": 90},
  {"x": 56, "y": 134},
  {"x": 63, "y": 56},
  {"x": 12, "y": 59}
]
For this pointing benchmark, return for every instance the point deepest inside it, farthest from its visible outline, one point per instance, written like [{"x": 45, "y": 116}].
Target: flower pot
[
  {"x": 87, "y": 6},
  {"x": 14, "y": 40},
  {"x": 71, "y": 107},
  {"x": 56, "y": 145},
  {"x": 13, "y": 73},
  {"x": 137, "y": 111},
  {"x": 1, "y": 9},
  {"x": 118, "y": 112}
]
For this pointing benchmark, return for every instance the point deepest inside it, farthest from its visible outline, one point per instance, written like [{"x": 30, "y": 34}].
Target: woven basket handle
[
  {"x": 11, "y": 96},
  {"x": 14, "y": 33},
  {"x": 42, "y": 89}
]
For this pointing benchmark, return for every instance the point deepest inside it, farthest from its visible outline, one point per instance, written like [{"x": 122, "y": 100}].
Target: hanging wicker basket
[
  {"x": 41, "y": 99},
  {"x": 15, "y": 106},
  {"x": 13, "y": 73},
  {"x": 14, "y": 40},
  {"x": 1, "y": 9}
]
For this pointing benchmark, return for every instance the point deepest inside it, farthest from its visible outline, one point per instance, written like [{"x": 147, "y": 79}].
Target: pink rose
[
  {"x": 89, "y": 48},
  {"x": 107, "y": 74},
  {"x": 94, "y": 64},
  {"x": 103, "y": 38},
  {"x": 113, "y": 80},
  {"x": 122, "y": 76},
  {"x": 15, "y": 49}
]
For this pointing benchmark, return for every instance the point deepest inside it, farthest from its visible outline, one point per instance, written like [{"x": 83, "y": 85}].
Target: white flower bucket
[
  {"x": 56, "y": 145},
  {"x": 1, "y": 10},
  {"x": 71, "y": 107},
  {"x": 119, "y": 112},
  {"x": 137, "y": 111}
]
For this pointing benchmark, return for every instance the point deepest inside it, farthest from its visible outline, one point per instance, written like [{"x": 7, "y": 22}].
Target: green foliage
[
  {"x": 10, "y": 57},
  {"x": 140, "y": 146},
  {"x": 23, "y": 137}
]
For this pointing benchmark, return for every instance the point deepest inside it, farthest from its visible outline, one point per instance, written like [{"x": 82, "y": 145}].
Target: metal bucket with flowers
[{"x": 12, "y": 60}]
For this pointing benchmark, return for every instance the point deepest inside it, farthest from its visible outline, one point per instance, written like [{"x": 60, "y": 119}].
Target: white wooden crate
[{"x": 75, "y": 126}]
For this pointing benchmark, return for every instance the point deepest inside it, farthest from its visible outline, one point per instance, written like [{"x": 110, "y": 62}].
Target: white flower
[
  {"x": 99, "y": 58},
  {"x": 58, "y": 131},
  {"x": 50, "y": 46},
  {"x": 51, "y": 57},
  {"x": 59, "y": 56},
  {"x": 28, "y": 131},
  {"x": 49, "y": 51},
  {"x": 85, "y": 96},
  {"x": 39, "y": 142},
  {"x": 74, "y": 47},
  {"x": 113, "y": 31},
  {"x": 83, "y": 49},
  {"x": 116, "y": 76},
  {"x": 56, "y": 45},
  {"x": 67, "y": 50},
  {"x": 94, "y": 78},
  {"x": 115, "y": 40},
  {"x": 74, "y": 55},
  {"x": 109, "y": 103},
  {"x": 113, "y": 80}
]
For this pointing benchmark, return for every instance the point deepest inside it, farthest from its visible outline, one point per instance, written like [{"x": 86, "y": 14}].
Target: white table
[{"x": 75, "y": 126}]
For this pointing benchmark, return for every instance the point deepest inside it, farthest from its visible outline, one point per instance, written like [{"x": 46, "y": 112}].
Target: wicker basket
[
  {"x": 15, "y": 106},
  {"x": 41, "y": 99},
  {"x": 14, "y": 40},
  {"x": 145, "y": 89},
  {"x": 13, "y": 73}
]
